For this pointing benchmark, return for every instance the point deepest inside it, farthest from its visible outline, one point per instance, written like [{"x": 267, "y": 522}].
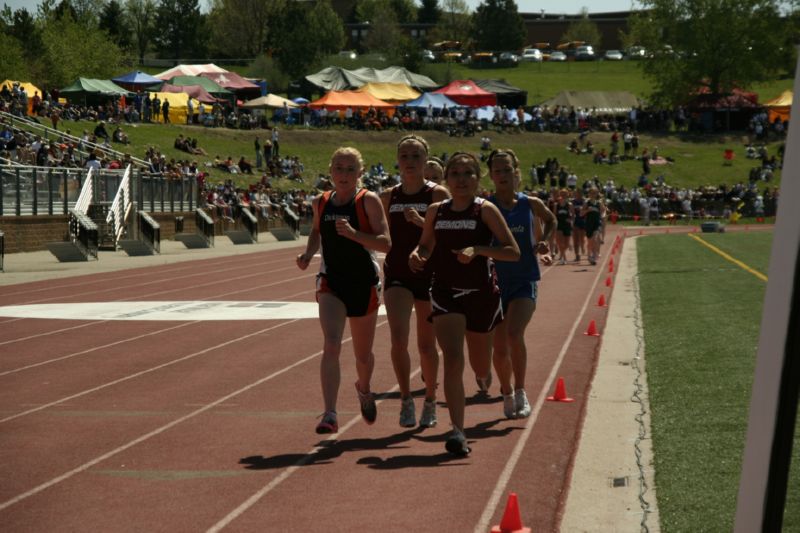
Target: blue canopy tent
[
  {"x": 433, "y": 100},
  {"x": 136, "y": 80}
]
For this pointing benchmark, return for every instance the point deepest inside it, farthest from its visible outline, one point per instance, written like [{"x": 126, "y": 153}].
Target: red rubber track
[{"x": 196, "y": 426}]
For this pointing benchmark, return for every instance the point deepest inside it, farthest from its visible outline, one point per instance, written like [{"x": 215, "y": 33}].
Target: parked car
[
  {"x": 508, "y": 58},
  {"x": 348, "y": 54},
  {"x": 483, "y": 58},
  {"x": 637, "y": 52},
  {"x": 612, "y": 55},
  {"x": 428, "y": 56},
  {"x": 584, "y": 53},
  {"x": 531, "y": 54},
  {"x": 558, "y": 56}
]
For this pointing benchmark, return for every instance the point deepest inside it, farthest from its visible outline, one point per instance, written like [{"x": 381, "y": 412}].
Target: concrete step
[
  {"x": 67, "y": 252},
  {"x": 240, "y": 236},
  {"x": 192, "y": 240},
  {"x": 284, "y": 234},
  {"x": 135, "y": 247}
]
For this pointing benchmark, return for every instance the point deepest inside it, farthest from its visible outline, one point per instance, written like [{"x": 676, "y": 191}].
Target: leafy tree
[
  {"x": 384, "y": 32},
  {"x": 454, "y": 23},
  {"x": 179, "y": 29},
  {"x": 584, "y": 30},
  {"x": 141, "y": 17},
  {"x": 719, "y": 43},
  {"x": 21, "y": 25},
  {"x": 241, "y": 28},
  {"x": 13, "y": 63},
  {"x": 114, "y": 22},
  {"x": 296, "y": 53},
  {"x": 497, "y": 25},
  {"x": 402, "y": 11},
  {"x": 429, "y": 12},
  {"x": 70, "y": 51}
]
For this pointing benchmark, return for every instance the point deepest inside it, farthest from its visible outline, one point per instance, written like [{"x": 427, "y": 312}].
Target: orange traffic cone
[
  {"x": 601, "y": 302},
  {"x": 592, "y": 330},
  {"x": 608, "y": 281},
  {"x": 561, "y": 393},
  {"x": 512, "y": 521}
]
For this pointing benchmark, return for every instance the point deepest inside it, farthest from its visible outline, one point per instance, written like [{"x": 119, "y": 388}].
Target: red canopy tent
[
  {"x": 341, "y": 100},
  {"x": 230, "y": 80},
  {"x": 467, "y": 92}
]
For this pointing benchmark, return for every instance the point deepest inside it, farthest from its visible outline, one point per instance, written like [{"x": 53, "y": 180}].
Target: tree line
[{"x": 720, "y": 43}]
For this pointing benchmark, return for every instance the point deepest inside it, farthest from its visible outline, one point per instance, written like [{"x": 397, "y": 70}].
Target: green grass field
[
  {"x": 702, "y": 317},
  {"x": 698, "y": 161}
]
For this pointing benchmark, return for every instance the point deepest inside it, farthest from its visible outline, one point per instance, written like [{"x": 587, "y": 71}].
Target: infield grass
[{"x": 702, "y": 316}]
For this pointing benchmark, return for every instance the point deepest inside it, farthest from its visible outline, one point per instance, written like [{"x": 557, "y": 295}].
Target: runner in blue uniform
[
  {"x": 406, "y": 291},
  {"x": 518, "y": 280},
  {"x": 350, "y": 224},
  {"x": 457, "y": 239}
]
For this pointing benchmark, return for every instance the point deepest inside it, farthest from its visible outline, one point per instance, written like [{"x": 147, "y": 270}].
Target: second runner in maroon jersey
[{"x": 405, "y": 206}]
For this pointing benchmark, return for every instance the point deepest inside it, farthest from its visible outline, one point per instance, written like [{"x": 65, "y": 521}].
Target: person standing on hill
[
  {"x": 406, "y": 291},
  {"x": 165, "y": 111},
  {"x": 462, "y": 237},
  {"x": 350, "y": 225},
  {"x": 518, "y": 280}
]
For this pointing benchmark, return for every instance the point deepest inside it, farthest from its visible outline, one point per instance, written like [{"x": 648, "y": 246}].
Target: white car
[
  {"x": 558, "y": 56},
  {"x": 612, "y": 55},
  {"x": 531, "y": 54}
]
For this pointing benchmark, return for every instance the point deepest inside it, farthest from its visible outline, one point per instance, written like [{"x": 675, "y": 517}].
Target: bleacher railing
[
  {"x": 150, "y": 231},
  {"x": 250, "y": 222},
  {"x": 87, "y": 192},
  {"x": 28, "y": 190},
  {"x": 83, "y": 232},
  {"x": 84, "y": 147},
  {"x": 205, "y": 225},
  {"x": 121, "y": 206}
]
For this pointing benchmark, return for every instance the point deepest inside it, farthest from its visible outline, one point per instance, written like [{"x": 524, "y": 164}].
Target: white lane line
[
  {"x": 196, "y": 273},
  {"x": 266, "y": 489},
  {"x": 500, "y": 487},
  {"x": 190, "y": 265},
  {"x": 85, "y": 466},
  {"x": 287, "y": 472},
  {"x": 143, "y": 372},
  {"x": 90, "y": 350},
  {"x": 46, "y": 333}
]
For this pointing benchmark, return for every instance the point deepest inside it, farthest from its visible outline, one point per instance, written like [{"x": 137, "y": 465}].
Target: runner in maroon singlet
[
  {"x": 350, "y": 225},
  {"x": 405, "y": 205},
  {"x": 457, "y": 240}
]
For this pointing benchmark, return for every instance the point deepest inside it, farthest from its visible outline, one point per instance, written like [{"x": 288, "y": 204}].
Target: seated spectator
[
  {"x": 120, "y": 136},
  {"x": 245, "y": 166},
  {"x": 100, "y": 131}
]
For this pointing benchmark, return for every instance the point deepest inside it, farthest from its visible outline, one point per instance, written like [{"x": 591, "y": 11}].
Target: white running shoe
[
  {"x": 521, "y": 403},
  {"x": 408, "y": 415},
  {"x": 457, "y": 443},
  {"x": 428, "y": 417},
  {"x": 509, "y": 406}
]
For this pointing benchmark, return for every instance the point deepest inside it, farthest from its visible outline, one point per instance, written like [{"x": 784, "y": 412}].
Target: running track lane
[{"x": 211, "y": 424}]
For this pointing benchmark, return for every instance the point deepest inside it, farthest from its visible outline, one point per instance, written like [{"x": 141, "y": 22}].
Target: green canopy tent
[{"x": 91, "y": 91}]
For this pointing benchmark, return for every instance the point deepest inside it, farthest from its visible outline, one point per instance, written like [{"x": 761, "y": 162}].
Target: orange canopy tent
[
  {"x": 341, "y": 100},
  {"x": 780, "y": 107}
]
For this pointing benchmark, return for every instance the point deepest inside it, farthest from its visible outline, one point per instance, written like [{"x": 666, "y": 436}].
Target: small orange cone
[
  {"x": 592, "y": 330},
  {"x": 561, "y": 393},
  {"x": 511, "y": 521},
  {"x": 601, "y": 302},
  {"x": 608, "y": 281}
]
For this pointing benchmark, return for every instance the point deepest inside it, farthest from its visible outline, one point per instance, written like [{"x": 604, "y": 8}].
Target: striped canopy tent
[
  {"x": 189, "y": 70},
  {"x": 394, "y": 93},
  {"x": 780, "y": 107},
  {"x": 272, "y": 101},
  {"x": 233, "y": 82},
  {"x": 195, "y": 91}
]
